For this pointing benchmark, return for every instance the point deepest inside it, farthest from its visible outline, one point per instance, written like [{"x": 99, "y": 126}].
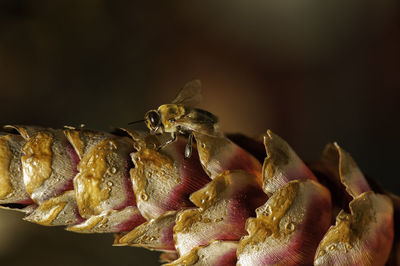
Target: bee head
[{"x": 153, "y": 120}]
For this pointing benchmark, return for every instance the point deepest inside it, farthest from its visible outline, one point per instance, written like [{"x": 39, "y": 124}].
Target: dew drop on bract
[
  {"x": 290, "y": 227},
  {"x": 332, "y": 247},
  {"x": 144, "y": 196}
]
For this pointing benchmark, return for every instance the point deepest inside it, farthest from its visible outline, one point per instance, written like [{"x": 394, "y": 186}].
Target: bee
[{"x": 181, "y": 117}]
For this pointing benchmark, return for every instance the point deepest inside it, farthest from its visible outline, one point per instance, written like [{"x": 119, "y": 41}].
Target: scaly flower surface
[{"x": 220, "y": 206}]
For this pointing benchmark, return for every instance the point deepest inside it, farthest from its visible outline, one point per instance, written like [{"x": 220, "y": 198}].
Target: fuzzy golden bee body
[{"x": 180, "y": 117}]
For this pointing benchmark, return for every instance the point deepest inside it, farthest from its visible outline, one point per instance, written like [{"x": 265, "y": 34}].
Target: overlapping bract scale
[
  {"x": 289, "y": 226},
  {"x": 281, "y": 164},
  {"x": 103, "y": 188},
  {"x": 79, "y": 178},
  {"x": 365, "y": 235},
  {"x": 218, "y": 153},
  {"x": 155, "y": 234},
  {"x": 48, "y": 162},
  {"x": 217, "y": 253},
  {"x": 163, "y": 179},
  {"x": 12, "y": 188},
  {"x": 223, "y": 208}
]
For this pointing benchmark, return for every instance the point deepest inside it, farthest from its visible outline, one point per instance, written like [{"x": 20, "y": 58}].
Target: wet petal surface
[
  {"x": 282, "y": 164},
  {"x": 48, "y": 162},
  {"x": 218, "y": 154},
  {"x": 12, "y": 188},
  {"x": 224, "y": 206},
  {"x": 288, "y": 226},
  {"x": 217, "y": 253},
  {"x": 155, "y": 234},
  {"x": 103, "y": 181},
  {"x": 163, "y": 179},
  {"x": 365, "y": 235},
  {"x": 60, "y": 210}
]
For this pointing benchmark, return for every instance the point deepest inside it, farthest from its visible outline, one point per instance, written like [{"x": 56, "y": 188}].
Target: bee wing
[
  {"x": 190, "y": 125},
  {"x": 190, "y": 94},
  {"x": 198, "y": 120}
]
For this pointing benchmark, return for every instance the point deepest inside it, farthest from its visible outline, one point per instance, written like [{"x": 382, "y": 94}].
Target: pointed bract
[
  {"x": 218, "y": 154},
  {"x": 281, "y": 165},
  {"x": 110, "y": 221},
  {"x": 365, "y": 235},
  {"x": 155, "y": 234},
  {"x": 60, "y": 210},
  {"x": 217, "y": 253},
  {"x": 288, "y": 226}
]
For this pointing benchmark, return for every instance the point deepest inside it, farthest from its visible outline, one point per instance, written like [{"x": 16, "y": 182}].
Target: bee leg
[
  {"x": 173, "y": 135},
  {"x": 188, "y": 148}
]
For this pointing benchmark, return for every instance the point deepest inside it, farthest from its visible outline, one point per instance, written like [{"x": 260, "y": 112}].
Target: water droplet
[
  {"x": 110, "y": 184},
  {"x": 113, "y": 170},
  {"x": 203, "y": 145},
  {"x": 290, "y": 227},
  {"x": 144, "y": 196},
  {"x": 332, "y": 247}
]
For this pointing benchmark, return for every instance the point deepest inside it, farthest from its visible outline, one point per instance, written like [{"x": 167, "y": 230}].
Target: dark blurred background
[{"x": 312, "y": 71}]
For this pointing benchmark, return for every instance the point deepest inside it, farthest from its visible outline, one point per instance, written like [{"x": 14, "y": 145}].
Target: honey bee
[{"x": 181, "y": 117}]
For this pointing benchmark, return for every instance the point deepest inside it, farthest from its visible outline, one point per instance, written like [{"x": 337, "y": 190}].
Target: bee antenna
[{"x": 135, "y": 122}]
